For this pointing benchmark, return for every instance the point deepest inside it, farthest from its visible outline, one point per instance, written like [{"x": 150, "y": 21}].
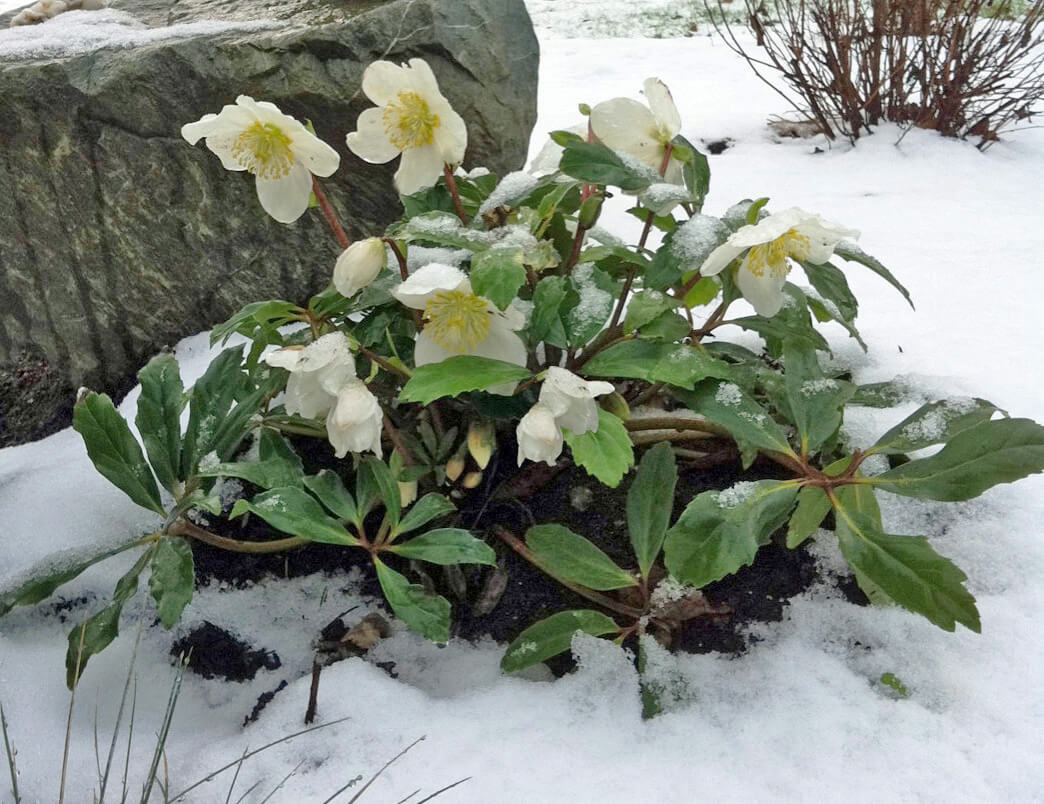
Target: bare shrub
[{"x": 962, "y": 67}]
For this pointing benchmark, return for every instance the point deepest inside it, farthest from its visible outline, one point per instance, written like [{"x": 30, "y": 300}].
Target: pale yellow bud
[
  {"x": 454, "y": 468},
  {"x": 471, "y": 480},
  {"x": 407, "y": 492},
  {"x": 617, "y": 405},
  {"x": 482, "y": 442}
]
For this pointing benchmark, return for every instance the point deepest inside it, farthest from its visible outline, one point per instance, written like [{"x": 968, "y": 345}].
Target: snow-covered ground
[{"x": 801, "y": 716}]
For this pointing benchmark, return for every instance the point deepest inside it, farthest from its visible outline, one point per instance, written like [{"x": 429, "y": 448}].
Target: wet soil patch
[{"x": 212, "y": 651}]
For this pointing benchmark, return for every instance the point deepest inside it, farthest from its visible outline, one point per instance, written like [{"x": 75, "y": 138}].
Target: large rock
[{"x": 116, "y": 237}]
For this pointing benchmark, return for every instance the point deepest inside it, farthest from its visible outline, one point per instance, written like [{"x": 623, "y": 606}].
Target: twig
[
  {"x": 330, "y": 214},
  {"x": 451, "y": 183}
]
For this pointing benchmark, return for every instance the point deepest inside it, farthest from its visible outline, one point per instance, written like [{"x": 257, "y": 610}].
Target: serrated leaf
[
  {"x": 649, "y": 503},
  {"x": 669, "y": 327},
  {"x": 645, "y": 306},
  {"x": 552, "y": 636},
  {"x": 159, "y": 417},
  {"x": 458, "y": 374},
  {"x": 719, "y": 532},
  {"x": 497, "y": 274},
  {"x": 293, "y": 511},
  {"x": 592, "y": 162},
  {"x": 430, "y": 506},
  {"x": 729, "y": 406},
  {"x": 908, "y": 570},
  {"x": 606, "y": 453},
  {"x": 974, "y": 460},
  {"x": 934, "y": 423},
  {"x": 595, "y": 292},
  {"x": 278, "y": 466},
  {"x": 172, "y": 579},
  {"x": 550, "y": 294},
  {"x": 570, "y": 557},
  {"x": 677, "y": 364},
  {"x": 666, "y": 269},
  {"x": 851, "y": 252},
  {"x": 114, "y": 451},
  {"x": 211, "y": 398},
  {"x": 428, "y": 615},
  {"x": 447, "y": 546},
  {"x": 330, "y": 490},
  {"x": 881, "y": 394},
  {"x": 816, "y": 402},
  {"x": 386, "y": 484},
  {"x": 812, "y": 507}
]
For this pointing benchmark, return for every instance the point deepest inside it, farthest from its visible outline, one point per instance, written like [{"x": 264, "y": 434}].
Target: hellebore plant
[{"x": 522, "y": 326}]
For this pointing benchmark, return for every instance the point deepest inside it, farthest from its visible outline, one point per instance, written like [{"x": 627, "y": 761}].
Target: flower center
[
  {"x": 772, "y": 256},
  {"x": 409, "y": 122},
  {"x": 457, "y": 320},
  {"x": 264, "y": 150}
]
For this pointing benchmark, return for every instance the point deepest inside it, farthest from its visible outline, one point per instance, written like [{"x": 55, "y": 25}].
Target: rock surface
[{"x": 117, "y": 237}]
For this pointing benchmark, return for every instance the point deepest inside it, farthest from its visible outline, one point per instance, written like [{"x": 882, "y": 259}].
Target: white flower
[
  {"x": 317, "y": 373},
  {"x": 354, "y": 425},
  {"x": 459, "y": 322},
  {"x": 793, "y": 234},
  {"x": 255, "y": 136},
  {"x": 412, "y": 118},
  {"x": 571, "y": 399},
  {"x": 539, "y": 436},
  {"x": 643, "y": 132},
  {"x": 359, "y": 265}
]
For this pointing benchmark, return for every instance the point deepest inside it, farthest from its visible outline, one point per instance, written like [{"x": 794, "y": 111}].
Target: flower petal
[
  {"x": 370, "y": 141},
  {"x": 426, "y": 351},
  {"x": 539, "y": 436},
  {"x": 451, "y": 136},
  {"x": 203, "y": 127},
  {"x": 286, "y": 198},
  {"x": 420, "y": 168},
  {"x": 626, "y": 125},
  {"x": 661, "y": 104},
  {"x": 425, "y": 282},
  {"x": 719, "y": 259},
  {"x": 765, "y": 292},
  {"x": 383, "y": 80},
  {"x": 317, "y": 156}
]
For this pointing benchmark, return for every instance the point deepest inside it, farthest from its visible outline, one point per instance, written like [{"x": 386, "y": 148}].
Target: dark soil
[{"x": 212, "y": 652}]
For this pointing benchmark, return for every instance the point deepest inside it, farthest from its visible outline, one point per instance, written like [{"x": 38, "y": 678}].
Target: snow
[
  {"x": 728, "y": 393},
  {"x": 803, "y": 715}
]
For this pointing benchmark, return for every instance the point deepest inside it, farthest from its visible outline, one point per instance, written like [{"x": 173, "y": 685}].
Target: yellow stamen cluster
[
  {"x": 264, "y": 150},
  {"x": 457, "y": 320},
  {"x": 772, "y": 256},
  {"x": 409, "y": 121}
]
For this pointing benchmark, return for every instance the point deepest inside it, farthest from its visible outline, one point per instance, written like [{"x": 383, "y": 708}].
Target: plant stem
[
  {"x": 578, "y": 244},
  {"x": 384, "y": 364},
  {"x": 656, "y": 437},
  {"x": 185, "y": 528},
  {"x": 400, "y": 447},
  {"x": 675, "y": 423},
  {"x": 330, "y": 214},
  {"x": 399, "y": 257},
  {"x": 451, "y": 183}
]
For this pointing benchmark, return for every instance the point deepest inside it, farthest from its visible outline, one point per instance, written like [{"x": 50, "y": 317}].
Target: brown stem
[
  {"x": 383, "y": 363},
  {"x": 185, "y": 528},
  {"x": 330, "y": 214},
  {"x": 620, "y": 302},
  {"x": 578, "y": 243},
  {"x": 683, "y": 291},
  {"x": 519, "y": 547},
  {"x": 674, "y": 423},
  {"x": 655, "y": 437},
  {"x": 399, "y": 257},
  {"x": 451, "y": 183},
  {"x": 711, "y": 323},
  {"x": 400, "y": 447}
]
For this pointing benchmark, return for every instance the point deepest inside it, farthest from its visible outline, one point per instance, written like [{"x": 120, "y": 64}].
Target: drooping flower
[
  {"x": 643, "y": 132},
  {"x": 255, "y": 136},
  {"x": 354, "y": 424},
  {"x": 318, "y": 372},
  {"x": 571, "y": 399},
  {"x": 412, "y": 118},
  {"x": 769, "y": 244},
  {"x": 539, "y": 436},
  {"x": 457, "y": 321},
  {"x": 359, "y": 265}
]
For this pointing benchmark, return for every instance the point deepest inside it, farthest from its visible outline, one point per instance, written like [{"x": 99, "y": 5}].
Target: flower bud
[
  {"x": 455, "y": 465},
  {"x": 471, "y": 480},
  {"x": 482, "y": 442},
  {"x": 359, "y": 265},
  {"x": 617, "y": 405},
  {"x": 407, "y": 492}
]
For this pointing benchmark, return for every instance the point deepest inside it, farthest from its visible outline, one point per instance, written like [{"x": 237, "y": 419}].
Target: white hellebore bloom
[
  {"x": 792, "y": 233},
  {"x": 317, "y": 373},
  {"x": 539, "y": 436},
  {"x": 571, "y": 399},
  {"x": 354, "y": 424},
  {"x": 412, "y": 118},
  {"x": 359, "y": 265},
  {"x": 457, "y": 321},
  {"x": 643, "y": 132},
  {"x": 255, "y": 136}
]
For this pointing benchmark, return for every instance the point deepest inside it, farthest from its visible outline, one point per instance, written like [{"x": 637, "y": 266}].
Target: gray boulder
[{"x": 117, "y": 237}]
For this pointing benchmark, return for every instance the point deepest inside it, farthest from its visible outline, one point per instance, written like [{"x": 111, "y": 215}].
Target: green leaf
[
  {"x": 442, "y": 229},
  {"x": 553, "y": 635},
  {"x": 212, "y": 396},
  {"x": 703, "y": 292},
  {"x": 649, "y": 503},
  {"x": 669, "y": 326},
  {"x": 606, "y": 453},
  {"x": 95, "y": 633},
  {"x": 830, "y": 282},
  {"x": 816, "y": 401},
  {"x": 727, "y": 405},
  {"x": 568, "y": 556},
  {"x": 386, "y": 483},
  {"x": 330, "y": 490},
  {"x": 458, "y": 374},
  {"x": 594, "y": 163},
  {"x": 447, "y": 546},
  {"x": 497, "y": 274},
  {"x": 908, "y": 570},
  {"x": 695, "y": 168},
  {"x": 851, "y": 252},
  {"x": 719, "y": 532},
  {"x": 934, "y": 423},
  {"x": 974, "y": 460},
  {"x": 673, "y": 363},
  {"x": 172, "y": 579},
  {"x": 428, "y": 615},
  {"x": 791, "y": 322},
  {"x": 667, "y": 266},
  {"x": 237, "y": 422},
  {"x": 292, "y": 511},
  {"x": 646, "y": 306},
  {"x": 114, "y": 451},
  {"x": 41, "y": 587},
  {"x": 881, "y": 394},
  {"x": 595, "y": 292},
  {"x": 262, "y": 316},
  {"x": 812, "y": 507},
  {"x": 429, "y": 507},
  {"x": 159, "y": 417},
  {"x": 279, "y": 465},
  {"x": 550, "y": 293}
]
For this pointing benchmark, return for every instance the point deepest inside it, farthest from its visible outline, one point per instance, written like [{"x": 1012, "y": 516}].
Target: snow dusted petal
[
  {"x": 317, "y": 374},
  {"x": 419, "y": 168},
  {"x": 718, "y": 259},
  {"x": 370, "y": 141},
  {"x": 354, "y": 425},
  {"x": 286, "y": 199},
  {"x": 539, "y": 436},
  {"x": 285, "y": 358},
  {"x": 358, "y": 265},
  {"x": 661, "y": 104},
  {"x": 571, "y": 399},
  {"x": 425, "y": 282}
]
